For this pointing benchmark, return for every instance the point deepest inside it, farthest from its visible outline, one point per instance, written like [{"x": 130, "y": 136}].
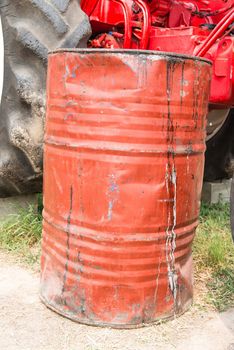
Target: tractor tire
[
  {"x": 232, "y": 208},
  {"x": 31, "y": 28},
  {"x": 219, "y": 162}
]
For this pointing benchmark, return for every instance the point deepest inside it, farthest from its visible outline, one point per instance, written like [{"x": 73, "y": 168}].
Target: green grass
[
  {"x": 213, "y": 249},
  {"x": 214, "y": 255},
  {"x": 21, "y": 234}
]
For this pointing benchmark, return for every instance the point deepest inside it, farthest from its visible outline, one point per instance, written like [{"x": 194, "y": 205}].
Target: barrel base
[{"x": 86, "y": 322}]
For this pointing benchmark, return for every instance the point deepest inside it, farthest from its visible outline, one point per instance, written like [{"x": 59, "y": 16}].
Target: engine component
[{"x": 203, "y": 28}]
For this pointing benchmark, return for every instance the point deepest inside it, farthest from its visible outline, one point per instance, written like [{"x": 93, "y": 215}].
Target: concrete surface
[
  {"x": 215, "y": 192},
  {"x": 26, "y": 324},
  {"x": 13, "y": 205}
]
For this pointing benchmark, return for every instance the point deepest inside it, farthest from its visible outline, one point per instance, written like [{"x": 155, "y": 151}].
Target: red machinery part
[
  {"x": 216, "y": 34},
  {"x": 221, "y": 54},
  {"x": 123, "y": 162},
  {"x": 174, "y": 26}
]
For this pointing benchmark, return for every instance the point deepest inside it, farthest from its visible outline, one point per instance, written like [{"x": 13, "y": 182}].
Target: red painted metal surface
[
  {"x": 124, "y": 156},
  {"x": 152, "y": 24},
  {"x": 180, "y": 40},
  {"x": 165, "y": 13}
]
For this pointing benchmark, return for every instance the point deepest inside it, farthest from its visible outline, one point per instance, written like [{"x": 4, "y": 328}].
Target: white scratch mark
[
  {"x": 183, "y": 93},
  {"x": 171, "y": 235},
  {"x": 57, "y": 181}
]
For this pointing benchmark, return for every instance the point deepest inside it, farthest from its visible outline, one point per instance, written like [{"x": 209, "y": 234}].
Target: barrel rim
[{"x": 131, "y": 52}]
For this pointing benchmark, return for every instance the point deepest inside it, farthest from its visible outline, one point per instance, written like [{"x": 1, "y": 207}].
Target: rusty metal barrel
[{"x": 123, "y": 169}]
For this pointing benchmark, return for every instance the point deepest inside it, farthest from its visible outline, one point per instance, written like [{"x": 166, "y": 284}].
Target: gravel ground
[{"x": 25, "y": 323}]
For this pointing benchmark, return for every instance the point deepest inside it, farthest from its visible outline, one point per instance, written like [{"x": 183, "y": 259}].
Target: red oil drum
[{"x": 124, "y": 157}]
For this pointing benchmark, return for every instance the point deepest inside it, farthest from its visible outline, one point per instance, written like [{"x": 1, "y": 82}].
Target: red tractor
[{"x": 201, "y": 28}]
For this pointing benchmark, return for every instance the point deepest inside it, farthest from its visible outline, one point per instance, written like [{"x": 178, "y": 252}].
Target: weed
[
  {"x": 21, "y": 234},
  {"x": 214, "y": 253},
  {"x": 221, "y": 289}
]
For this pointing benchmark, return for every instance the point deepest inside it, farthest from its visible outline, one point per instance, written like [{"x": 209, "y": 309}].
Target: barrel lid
[{"x": 171, "y": 55}]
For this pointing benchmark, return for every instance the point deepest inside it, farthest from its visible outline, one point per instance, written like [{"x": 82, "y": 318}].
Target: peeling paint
[
  {"x": 171, "y": 185},
  {"x": 171, "y": 238},
  {"x": 173, "y": 274},
  {"x": 110, "y": 210},
  {"x": 112, "y": 195}
]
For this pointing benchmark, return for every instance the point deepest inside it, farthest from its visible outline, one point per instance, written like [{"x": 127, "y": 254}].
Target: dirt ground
[{"x": 25, "y": 323}]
